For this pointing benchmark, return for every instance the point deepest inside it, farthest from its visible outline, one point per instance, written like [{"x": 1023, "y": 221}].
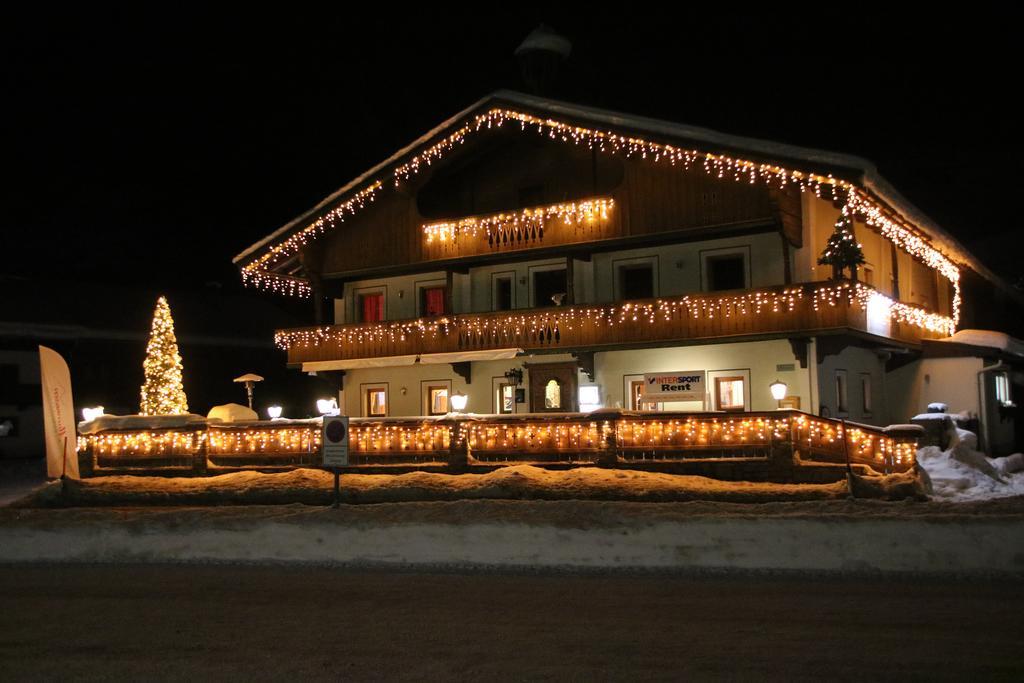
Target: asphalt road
[{"x": 273, "y": 623}]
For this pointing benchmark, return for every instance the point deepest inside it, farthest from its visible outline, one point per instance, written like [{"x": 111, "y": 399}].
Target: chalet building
[{"x": 543, "y": 257}]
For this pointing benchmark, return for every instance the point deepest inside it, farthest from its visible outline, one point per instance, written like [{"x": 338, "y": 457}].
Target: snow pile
[
  {"x": 962, "y": 473},
  {"x": 140, "y": 422},
  {"x": 988, "y": 339},
  {"x": 232, "y": 412},
  {"x": 516, "y": 483}
]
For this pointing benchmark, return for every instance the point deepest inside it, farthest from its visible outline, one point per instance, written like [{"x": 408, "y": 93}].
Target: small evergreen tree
[
  {"x": 162, "y": 392},
  {"x": 842, "y": 250}
]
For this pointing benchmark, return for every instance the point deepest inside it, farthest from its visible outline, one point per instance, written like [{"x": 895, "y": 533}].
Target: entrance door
[{"x": 553, "y": 387}]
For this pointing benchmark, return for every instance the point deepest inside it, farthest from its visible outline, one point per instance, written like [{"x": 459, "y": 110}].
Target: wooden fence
[{"x": 607, "y": 437}]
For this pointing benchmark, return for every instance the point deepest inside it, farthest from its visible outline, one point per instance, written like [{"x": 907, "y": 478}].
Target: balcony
[{"x": 803, "y": 309}]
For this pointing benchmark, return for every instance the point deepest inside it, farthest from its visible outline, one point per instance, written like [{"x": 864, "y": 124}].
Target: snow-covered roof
[
  {"x": 987, "y": 339},
  {"x": 864, "y": 171}
]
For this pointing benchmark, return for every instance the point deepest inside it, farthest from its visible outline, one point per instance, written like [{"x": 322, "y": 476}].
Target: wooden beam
[
  {"x": 570, "y": 281},
  {"x": 464, "y": 370},
  {"x": 585, "y": 361}
]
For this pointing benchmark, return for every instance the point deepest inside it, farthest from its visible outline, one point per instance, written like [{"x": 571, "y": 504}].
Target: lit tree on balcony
[
  {"x": 162, "y": 392},
  {"x": 842, "y": 250}
]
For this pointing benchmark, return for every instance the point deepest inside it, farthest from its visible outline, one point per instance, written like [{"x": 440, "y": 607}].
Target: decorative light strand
[
  {"x": 525, "y": 225},
  {"x": 635, "y": 435},
  {"x": 716, "y": 165},
  {"x": 551, "y": 322}
]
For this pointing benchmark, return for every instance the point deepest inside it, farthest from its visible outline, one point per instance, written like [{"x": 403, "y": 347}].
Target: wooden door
[{"x": 553, "y": 387}]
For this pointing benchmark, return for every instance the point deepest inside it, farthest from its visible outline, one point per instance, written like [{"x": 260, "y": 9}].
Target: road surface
[{"x": 301, "y": 623}]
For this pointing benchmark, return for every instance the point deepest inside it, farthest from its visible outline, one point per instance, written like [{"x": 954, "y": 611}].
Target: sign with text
[
  {"x": 687, "y": 385},
  {"x": 335, "y": 440}
]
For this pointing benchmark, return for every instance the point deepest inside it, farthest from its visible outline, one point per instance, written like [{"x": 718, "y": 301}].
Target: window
[
  {"x": 503, "y": 293},
  {"x": 432, "y": 300},
  {"x": 436, "y": 398},
  {"x": 842, "y": 398},
  {"x": 729, "y": 393},
  {"x": 728, "y": 271},
  {"x": 375, "y": 402},
  {"x": 1002, "y": 388},
  {"x": 590, "y": 397},
  {"x": 865, "y": 392},
  {"x": 505, "y": 399},
  {"x": 371, "y": 307},
  {"x": 553, "y": 394},
  {"x": 867, "y": 275},
  {"x": 547, "y": 286},
  {"x": 636, "y": 281}
]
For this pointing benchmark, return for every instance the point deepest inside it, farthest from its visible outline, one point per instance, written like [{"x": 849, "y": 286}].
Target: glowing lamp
[
  {"x": 778, "y": 389},
  {"x": 275, "y": 412},
  {"x": 90, "y": 414},
  {"x": 327, "y": 406},
  {"x": 458, "y": 401}
]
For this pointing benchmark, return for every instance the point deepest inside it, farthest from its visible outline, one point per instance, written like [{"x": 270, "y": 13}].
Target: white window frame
[
  {"x": 842, "y": 392},
  {"x": 509, "y": 275},
  {"x": 619, "y": 264},
  {"x": 364, "y": 398}
]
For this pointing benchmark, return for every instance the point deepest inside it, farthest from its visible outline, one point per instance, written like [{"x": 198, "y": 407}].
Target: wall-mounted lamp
[
  {"x": 514, "y": 376},
  {"x": 458, "y": 401},
  {"x": 327, "y": 406},
  {"x": 778, "y": 389},
  {"x": 274, "y": 412}
]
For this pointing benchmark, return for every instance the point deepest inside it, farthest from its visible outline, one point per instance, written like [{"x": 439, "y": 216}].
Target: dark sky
[{"x": 149, "y": 147}]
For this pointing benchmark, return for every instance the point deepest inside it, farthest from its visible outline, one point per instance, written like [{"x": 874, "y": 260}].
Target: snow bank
[
  {"x": 955, "y": 480},
  {"x": 516, "y": 482},
  {"x": 232, "y": 412}
]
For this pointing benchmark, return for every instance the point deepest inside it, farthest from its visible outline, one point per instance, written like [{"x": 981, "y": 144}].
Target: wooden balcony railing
[{"x": 797, "y": 309}]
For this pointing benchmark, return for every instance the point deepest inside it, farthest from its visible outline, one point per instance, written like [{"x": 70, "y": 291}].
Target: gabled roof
[{"x": 855, "y": 170}]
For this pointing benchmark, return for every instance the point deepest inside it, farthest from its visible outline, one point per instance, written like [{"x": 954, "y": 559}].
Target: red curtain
[
  {"x": 433, "y": 301},
  {"x": 373, "y": 308}
]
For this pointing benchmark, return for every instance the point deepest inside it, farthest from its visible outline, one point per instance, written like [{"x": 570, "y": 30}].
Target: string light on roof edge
[{"x": 721, "y": 166}]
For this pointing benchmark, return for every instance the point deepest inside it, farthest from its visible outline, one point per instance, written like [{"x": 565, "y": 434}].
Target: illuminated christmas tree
[
  {"x": 162, "y": 393},
  {"x": 842, "y": 250}
]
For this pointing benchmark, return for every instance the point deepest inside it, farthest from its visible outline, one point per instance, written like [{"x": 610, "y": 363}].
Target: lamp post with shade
[
  {"x": 249, "y": 379},
  {"x": 458, "y": 401}
]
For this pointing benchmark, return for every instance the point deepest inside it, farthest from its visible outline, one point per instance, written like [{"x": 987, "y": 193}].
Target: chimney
[{"x": 540, "y": 58}]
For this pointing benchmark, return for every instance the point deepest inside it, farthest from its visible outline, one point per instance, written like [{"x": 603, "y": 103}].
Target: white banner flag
[{"x": 58, "y": 415}]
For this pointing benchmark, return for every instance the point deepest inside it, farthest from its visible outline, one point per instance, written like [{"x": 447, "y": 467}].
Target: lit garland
[
  {"x": 721, "y": 166},
  {"x": 634, "y": 435},
  {"x": 525, "y": 225},
  {"x": 162, "y": 392},
  {"x": 551, "y": 322}
]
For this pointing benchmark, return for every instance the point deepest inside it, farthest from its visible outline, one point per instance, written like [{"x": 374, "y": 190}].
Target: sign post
[{"x": 335, "y": 449}]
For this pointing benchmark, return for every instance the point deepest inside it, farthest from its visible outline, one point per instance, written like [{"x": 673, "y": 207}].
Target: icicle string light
[
  {"x": 551, "y": 322},
  {"x": 525, "y": 225},
  {"x": 721, "y": 166},
  {"x": 633, "y": 434}
]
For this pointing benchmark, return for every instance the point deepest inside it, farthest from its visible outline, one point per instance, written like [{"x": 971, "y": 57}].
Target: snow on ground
[
  {"x": 955, "y": 481},
  {"x": 517, "y": 482}
]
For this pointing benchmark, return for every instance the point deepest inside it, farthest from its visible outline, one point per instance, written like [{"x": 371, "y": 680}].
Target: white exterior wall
[
  {"x": 678, "y": 270},
  {"x": 857, "y": 363},
  {"x": 952, "y": 381},
  {"x": 758, "y": 359}
]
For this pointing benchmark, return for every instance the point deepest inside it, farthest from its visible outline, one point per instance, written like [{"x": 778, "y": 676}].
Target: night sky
[{"x": 148, "y": 149}]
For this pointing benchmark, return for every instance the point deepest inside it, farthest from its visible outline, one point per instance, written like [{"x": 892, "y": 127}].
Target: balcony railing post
[
  {"x": 458, "y": 444},
  {"x": 609, "y": 453}
]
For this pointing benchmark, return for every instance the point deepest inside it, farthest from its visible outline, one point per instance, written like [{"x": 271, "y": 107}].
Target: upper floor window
[
  {"x": 549, "y": 287},
  {"x": 842, "y": 393},
  {"x": 371, "y": 307},
  {"x": 636, "y": 281},
  {"x": 726, "y": 271},
  {"x": 503, "y": 293},
  {"x": 433, "y": 300}
]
